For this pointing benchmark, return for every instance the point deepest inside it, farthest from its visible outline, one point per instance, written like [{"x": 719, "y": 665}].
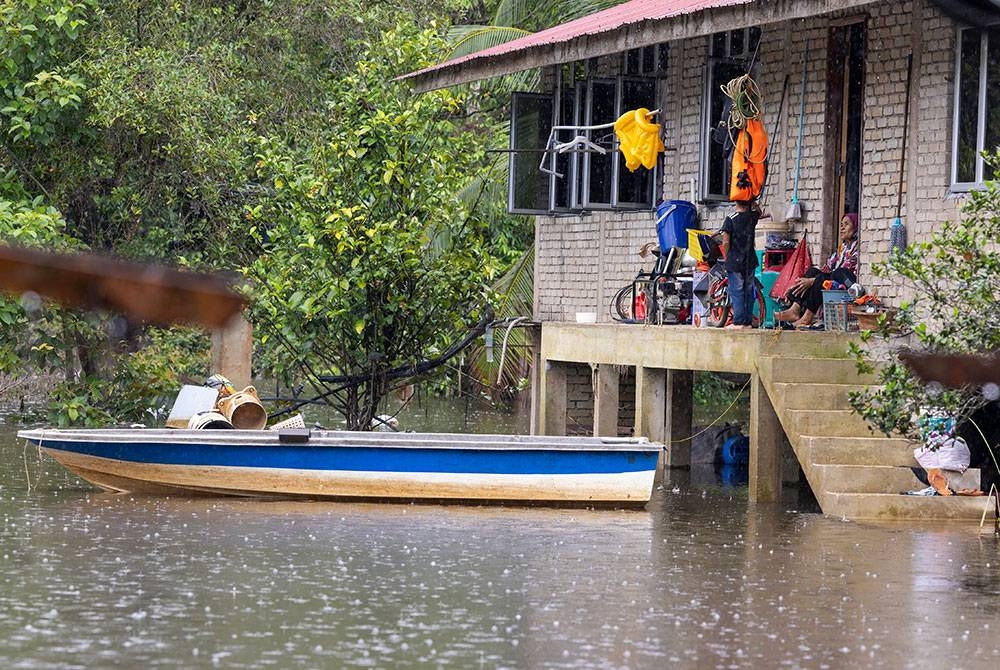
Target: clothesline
[{"x": 579, "y": 142}]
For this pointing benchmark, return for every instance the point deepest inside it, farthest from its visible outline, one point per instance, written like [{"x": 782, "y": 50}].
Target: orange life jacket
[{"x": 749, "y": 162}]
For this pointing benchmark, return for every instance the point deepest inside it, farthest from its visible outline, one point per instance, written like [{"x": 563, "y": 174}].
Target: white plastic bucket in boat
[{"x": 209, "y": 421}]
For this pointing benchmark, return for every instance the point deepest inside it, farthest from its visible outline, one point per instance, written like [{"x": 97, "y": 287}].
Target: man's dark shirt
[{"x": 741, "y": 227}]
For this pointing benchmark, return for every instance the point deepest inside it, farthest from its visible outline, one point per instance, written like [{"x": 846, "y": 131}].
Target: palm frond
[
  {"x": 502, "y": 87},
  {"x": 457, "y": 33},
  {"x": 470, "y": 39},
  {"x": 489, "y": 187},
  {"x": 516, "y": 289},
  {"x": 518, "y": 12},
  {"x": 569, "y": 10},
  {"x": 536, "y": 15}
]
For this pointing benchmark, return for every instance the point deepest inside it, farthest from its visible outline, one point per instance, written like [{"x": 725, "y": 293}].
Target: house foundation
[{"x": 662, "y": 361}]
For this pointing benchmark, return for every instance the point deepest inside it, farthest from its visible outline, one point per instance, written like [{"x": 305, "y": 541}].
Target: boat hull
[{"x": 342, "y": 465}]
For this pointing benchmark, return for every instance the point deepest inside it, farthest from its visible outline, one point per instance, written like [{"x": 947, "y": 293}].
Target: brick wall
[
  {"x": 582, "y": 261},
  {"x": 580, "y": 400},
  {"x": 626, "y": 402}
]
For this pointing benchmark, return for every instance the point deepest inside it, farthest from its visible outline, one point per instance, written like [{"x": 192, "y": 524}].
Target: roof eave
[{"x": 635, "y": 35}]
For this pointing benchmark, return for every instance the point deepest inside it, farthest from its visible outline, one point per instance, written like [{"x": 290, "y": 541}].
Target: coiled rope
[{"x": 745, "y": 94}]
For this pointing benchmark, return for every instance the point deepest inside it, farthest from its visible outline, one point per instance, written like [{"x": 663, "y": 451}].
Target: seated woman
[{"x": 806, "y": 294}]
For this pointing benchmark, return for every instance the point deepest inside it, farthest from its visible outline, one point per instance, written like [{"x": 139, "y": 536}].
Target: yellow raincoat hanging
[{"x": 638, "y": 138}]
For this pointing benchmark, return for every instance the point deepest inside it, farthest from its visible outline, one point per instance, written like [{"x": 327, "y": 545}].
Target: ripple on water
[{"x": 699, "y": 579}]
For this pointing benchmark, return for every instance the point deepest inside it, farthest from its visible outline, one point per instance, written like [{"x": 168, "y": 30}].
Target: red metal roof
[{"x": 608, "y": 20}]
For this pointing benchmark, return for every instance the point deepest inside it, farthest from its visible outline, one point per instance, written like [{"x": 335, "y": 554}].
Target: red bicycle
[{"x": 720, "y": 306}]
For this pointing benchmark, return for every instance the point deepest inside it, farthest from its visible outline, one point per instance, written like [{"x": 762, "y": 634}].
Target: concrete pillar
[
  {"x": 232, "y": 349},
  {"x": 650, "y": 410},
  {"x": 552, "y": 404},
  {"x": 765, "y": 445},
  {"x": 679, "y": 411},
  {"x": 650, "y": 403},
  {"x": 606, "y": 401},
  {"x": 534, "y": 337}
]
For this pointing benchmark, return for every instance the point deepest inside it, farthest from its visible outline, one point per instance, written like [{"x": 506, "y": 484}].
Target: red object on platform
[{"x": 795, "y": 267}]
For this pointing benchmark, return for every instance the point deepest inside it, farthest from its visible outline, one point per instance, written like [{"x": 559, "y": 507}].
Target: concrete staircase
[{"x": 853, "y": 471}]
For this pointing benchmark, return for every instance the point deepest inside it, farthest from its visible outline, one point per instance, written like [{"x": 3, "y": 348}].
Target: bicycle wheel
[
  {"x": 720, "y": 308},
  {"x": 621, "y": 306},
  {"x": 761, "y": 311}
]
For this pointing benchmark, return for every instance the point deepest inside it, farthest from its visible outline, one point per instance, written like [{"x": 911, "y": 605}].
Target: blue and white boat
[{"x": 359, "y": 465}]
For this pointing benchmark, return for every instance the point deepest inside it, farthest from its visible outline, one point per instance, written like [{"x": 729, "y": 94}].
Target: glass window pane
[
  {"x": 636, "y": 187},
  {"x": 602, "y": 110},
  {"x": 530, "y": 126},
  {"x": 968, "y": 106},
  {"x": 662, "y": 54},
  {"x": 719, "y": 165},
  {"x": 719, "y": 44},
  {"x": 993, "y": 91},
  {"x": 737, "y": 46},
  {"x": 578, "y": 159},
  {"x": 632, "y": 61},
  {"x": 648, "y": 59},
  {"x": 566, "y": 162}
]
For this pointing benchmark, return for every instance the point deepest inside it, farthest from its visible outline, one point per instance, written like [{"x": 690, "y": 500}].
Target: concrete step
[
  {"x": 864, "y": 479},
  {"x": 815, "y": 370},
  {"x": 818, "y": 344},
  {"x": 881, "y": 479},
  {"x": 825, "y": 422},
  {"x": 814, "y": 396},
  {"x": 895, "y": 507},
  {"x": 825, "y": 450}
]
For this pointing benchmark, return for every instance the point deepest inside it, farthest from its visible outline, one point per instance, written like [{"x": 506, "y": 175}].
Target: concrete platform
[{"x": 799, "y": 389}]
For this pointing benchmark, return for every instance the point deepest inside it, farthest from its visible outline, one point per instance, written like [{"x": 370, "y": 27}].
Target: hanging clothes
[{"x": 639, "y": 139}]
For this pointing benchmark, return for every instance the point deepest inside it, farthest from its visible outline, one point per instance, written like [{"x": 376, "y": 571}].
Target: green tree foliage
[
  {"x": 498, "y": 22},
  {"x": 140, "y": 387},
  {"x": 29, "y": 330},
  {"x": 39, "y": 84},
  {"x": 177, "y": 93},
  {"x": 955, "y": 280},
  {"x": 367, "y": 260},
  {"x": 138, "y": 121},
  {"x": 135, "y": 128}
]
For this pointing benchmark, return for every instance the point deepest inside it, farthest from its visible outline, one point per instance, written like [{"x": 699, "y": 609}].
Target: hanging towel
[{"x": 796, "y": 266}]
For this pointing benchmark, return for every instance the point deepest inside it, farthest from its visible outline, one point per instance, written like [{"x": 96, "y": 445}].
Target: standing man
[{"x": 738, "y": 232}]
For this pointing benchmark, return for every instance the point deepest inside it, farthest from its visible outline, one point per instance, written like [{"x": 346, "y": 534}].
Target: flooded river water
[{"x": 700, "y": 579}]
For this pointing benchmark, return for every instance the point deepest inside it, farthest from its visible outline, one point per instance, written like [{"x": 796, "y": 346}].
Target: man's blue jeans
[{"x": 741, "y": 295}]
